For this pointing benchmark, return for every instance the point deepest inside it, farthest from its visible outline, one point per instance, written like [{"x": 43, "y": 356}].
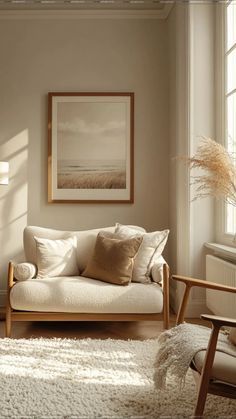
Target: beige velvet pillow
[
  {"x": 149, "y": 252},
  {"x": 232, "y": 335},
  {"x": 112, "y": 259},
  {"x": 56, "y": 257}
]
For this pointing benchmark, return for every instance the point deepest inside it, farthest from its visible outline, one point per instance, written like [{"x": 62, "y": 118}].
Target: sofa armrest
[
  {"x": 157, "y": 270},
  {"x": 24, "y": 271},
  {"x": 10, "y": 280},
  {"x": 160, "y": 273},
  {"x": 166, "y": 295},
  {"x": 10, "y": 284}
]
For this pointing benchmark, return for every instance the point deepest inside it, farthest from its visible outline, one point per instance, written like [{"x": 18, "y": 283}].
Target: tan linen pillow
[
  {"x": 56, "y": 257},
  {"x": 232, "y": 335},
  {"x": 149, "y": 252},
  {"x": 112, "y": 259}
]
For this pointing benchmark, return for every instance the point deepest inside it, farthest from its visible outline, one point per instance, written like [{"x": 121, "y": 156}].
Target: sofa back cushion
[{"x": 85, "y": 242}]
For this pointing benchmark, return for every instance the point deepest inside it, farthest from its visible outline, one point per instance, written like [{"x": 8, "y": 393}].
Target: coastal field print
[{"x": 91, "y": 147}]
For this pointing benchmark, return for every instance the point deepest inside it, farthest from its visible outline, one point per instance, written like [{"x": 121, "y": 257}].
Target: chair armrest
[
  {"x": 193, "y": 282},
  {"x": 219, "y": 321}
]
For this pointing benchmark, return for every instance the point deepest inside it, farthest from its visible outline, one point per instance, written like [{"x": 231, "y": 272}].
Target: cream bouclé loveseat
[{"x": 69, "y": 295}]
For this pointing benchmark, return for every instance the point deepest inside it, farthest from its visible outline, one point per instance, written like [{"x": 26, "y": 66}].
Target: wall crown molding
[{"x": 15, "y": 12}]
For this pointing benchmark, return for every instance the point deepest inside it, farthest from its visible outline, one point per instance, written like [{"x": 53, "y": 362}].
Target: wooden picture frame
[{"x": 90, "y": 147}]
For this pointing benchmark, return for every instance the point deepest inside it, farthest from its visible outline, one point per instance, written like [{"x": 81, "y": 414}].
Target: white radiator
[{"x": 221, "y": 272}]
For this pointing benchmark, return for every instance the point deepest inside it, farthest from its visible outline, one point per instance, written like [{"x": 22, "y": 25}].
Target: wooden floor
[{"x": 94, "y": 330}]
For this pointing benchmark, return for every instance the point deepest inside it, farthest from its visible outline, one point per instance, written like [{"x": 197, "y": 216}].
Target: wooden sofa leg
[
  {"x": 10, "y": 284},
  {"x": 8, "y": 323},
  {"x": 166, "y": 297}
]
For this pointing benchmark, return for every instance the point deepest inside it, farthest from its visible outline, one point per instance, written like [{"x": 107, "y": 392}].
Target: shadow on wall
[{"x": 13, "y": 203}]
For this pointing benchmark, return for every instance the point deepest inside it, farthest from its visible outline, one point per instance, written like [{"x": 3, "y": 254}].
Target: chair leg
[
  {"x": 183, "y": 305},
  {"x": 206, "y": 372},
  {"x": 201, "y": 401}
]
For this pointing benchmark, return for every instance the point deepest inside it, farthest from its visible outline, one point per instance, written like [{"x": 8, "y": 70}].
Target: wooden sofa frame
[{"x": 18, "y": 315}]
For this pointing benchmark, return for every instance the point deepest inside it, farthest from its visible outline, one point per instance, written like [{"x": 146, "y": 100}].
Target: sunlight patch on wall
[{"x": 13, "y": 201}]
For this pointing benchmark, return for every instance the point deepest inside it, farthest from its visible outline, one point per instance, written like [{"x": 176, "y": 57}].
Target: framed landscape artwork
[{"x": 91, "y": 147}]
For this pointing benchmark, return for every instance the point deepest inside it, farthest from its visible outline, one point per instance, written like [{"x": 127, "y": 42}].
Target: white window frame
[{"x": 221, "y": 113}]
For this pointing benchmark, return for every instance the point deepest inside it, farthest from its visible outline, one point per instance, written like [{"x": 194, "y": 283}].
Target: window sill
[{"x": 226, "y": 252}]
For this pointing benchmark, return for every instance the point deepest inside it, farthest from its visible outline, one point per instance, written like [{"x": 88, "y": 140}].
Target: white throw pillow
[
  {"x": 56, "y": 257},
  {"x": 150, "y": 250},
  {"x": 136, "y": 228},
  {"x": 24, "y": 271}
]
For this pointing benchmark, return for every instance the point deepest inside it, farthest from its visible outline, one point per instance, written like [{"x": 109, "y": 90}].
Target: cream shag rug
[{"x": 64, "y": 378}]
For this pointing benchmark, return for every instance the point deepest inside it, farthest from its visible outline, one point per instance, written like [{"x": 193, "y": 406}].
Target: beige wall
[{"x": 41, "y": 55}]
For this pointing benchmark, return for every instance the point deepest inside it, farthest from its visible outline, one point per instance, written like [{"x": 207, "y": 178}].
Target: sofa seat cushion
[
  {"x": 224, "y": 367},
  {"x": 85, "y": 295}
]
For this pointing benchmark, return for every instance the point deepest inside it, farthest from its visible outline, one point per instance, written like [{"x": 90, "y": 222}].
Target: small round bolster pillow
[{"x": 24, "y": 271}]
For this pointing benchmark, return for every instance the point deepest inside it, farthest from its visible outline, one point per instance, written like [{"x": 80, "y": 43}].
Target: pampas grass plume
[{"x": 219, "y": 179}]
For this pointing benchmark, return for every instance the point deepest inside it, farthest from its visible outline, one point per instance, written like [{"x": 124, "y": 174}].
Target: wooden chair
[{"x": 207, "y": 383}]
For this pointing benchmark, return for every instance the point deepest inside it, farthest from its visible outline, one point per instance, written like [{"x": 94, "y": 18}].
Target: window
[{"x": 228, "y": 105}]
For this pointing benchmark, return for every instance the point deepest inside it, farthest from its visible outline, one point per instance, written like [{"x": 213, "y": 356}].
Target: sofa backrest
[{"x": 85, "y": 241}]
